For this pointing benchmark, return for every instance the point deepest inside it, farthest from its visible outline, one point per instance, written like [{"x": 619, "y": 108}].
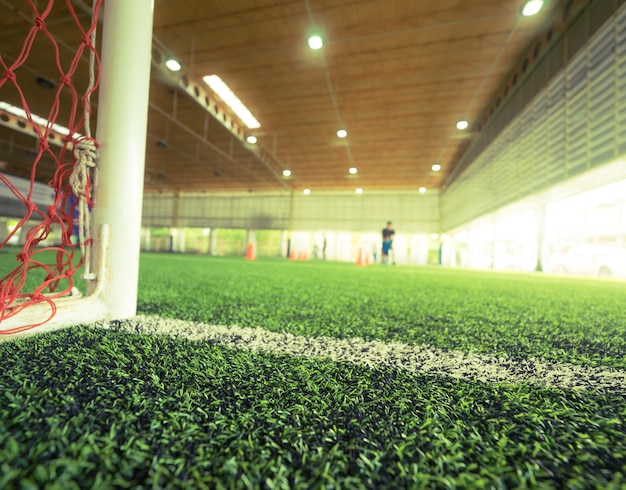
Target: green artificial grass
[
  {"x": 95, "y": 408},
  {"x": 521, "y": 315},
  {"x": 90, "y": 408}
]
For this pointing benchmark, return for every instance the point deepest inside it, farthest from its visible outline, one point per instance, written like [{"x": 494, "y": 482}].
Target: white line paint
[{"x": 416, "y": 358}]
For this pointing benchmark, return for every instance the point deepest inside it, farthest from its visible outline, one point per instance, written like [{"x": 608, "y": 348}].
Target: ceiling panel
[{"x": 397, "y": 74}]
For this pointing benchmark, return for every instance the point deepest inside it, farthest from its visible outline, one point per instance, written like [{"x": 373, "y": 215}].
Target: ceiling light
[
  {"x": 315, "y": 42},
  {"x": 226, "y": 94},
  {"x": 532, "y": 7},
  {"x": 359, "y": 190},
  {"x": 40, "y": 121},
  {"x": 436, "y": 167},
  {"x": 422, "y": 190},
  {"x": 462, "y": 124},
  {"x": 353, "y": 170},
  {"x": 287, "y": 173},
  {"x": 251, "y": 139},
  {"x": 342, "y": 133},
  {"x": 307, "y": 191},
  {"x": 173, "y": 64}
]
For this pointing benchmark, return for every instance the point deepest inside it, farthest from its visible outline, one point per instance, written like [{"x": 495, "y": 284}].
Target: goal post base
[{"x": 69, "y": 312}]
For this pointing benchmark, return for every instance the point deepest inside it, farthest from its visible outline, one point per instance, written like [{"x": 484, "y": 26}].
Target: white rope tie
[{"x": 85, "y": 154}]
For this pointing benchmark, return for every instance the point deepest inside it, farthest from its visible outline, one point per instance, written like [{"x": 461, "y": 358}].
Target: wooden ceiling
[{"x": 396, "y": 74}]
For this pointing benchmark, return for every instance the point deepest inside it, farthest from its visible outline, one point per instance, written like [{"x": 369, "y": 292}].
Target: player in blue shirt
[{"x": 388, "y": 234}]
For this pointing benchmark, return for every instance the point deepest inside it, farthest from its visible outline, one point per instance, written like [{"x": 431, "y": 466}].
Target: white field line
[{"x": 422, "y": 359}]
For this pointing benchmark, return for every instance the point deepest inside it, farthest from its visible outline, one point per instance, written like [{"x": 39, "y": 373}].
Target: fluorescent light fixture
[
  {"x": 287, "y": 173},
  {"x": 226, "y": 94},
  {"x": 422, "y": 190},
  {"x": 19, "y": 112},
  {"x": 359, "y": 190},
  {"x": 342, "y": 133},
  {"x": 307, "y": 191},
  {"x": 315, "y": 42},
  {"x": 436, "y": 167},
  {"x": 462, "y": 124},
  {"x": 173, "y": 64},
  {"x": 251, "y": 139},
  {"x": 532, "y": 7},
  {"x": 353, "y": 170}
]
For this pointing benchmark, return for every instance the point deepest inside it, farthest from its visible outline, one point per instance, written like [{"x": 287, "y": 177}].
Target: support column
[
  {"x": 290, "y": 223},
  {"x": 213, "y": 241},
  {"x": 122, "y": 127},
  {"x": 146, "y": 245},
  {"x": 4, "y": 230},
  {"x": 494, "y": 237},
  {"x": 540, "y": 214}
]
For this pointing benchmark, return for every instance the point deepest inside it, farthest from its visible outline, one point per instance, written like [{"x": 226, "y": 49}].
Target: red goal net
[{"x": 49, "y": 68}]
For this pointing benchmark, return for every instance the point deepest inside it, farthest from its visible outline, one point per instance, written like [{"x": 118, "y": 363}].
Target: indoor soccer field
[{"x": 281, "y": 374}]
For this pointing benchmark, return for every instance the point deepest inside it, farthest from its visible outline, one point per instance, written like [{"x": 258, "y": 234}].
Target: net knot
[
  {"x": 30, "y": 206},
  {"x": 43, "y": 145},
  {"x": 66, "y": 80},
  {"x": 40, "y": 23},
  {"x": 85, "y": 153},
  {"x": 86, "y": 40},
  {"x": 9, "y": 75}
]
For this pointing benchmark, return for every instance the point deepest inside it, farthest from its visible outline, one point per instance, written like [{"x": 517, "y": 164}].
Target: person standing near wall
[{"x": 388, "y": 234}]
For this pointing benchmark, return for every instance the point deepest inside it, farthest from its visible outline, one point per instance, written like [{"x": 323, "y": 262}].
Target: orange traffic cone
[
  {"x": 360, "y": 260},
  {"x": 250, "y": 254},
  {"x": 292, "y": 255}
]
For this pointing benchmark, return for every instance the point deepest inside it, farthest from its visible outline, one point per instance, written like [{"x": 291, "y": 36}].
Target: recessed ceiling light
[
  {"x": 353, "y": 170},
  {"x": 342, "y": 133},
  {"x": 173, "y": 64},
  {"x": 532, "y": 7},
  {"x": 251, "y": 139},
  {"x": 287, "y": 173},
  {"x": 422, "y": 190},
  {"x": 359, "y": 190},
  {"x": 462, "y": 124},
  {"x": 436, "y": 167},
  {"x": 315, "y": 42},
  {"x": 307, "y": 191}
]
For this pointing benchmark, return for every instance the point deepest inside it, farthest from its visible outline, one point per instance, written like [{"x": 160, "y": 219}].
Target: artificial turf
[
  {"x": 98, "y": 408},
  {"x": 556, "y": 318},
  {"x": 95, "y": 408}
]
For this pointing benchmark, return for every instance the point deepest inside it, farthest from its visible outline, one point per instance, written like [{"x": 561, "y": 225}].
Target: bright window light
[
  {"x": 19, "y": 112},
  {"x": 251, "y": 139},
  {"x": 353, "y": 170},
  {"x": 422, "y": 190},
  {"x": 287, "y": 173},
  {"x": 173, "y": 64},
  {"x": 307, "y": 191},
  {"x": 342, "y": 133},
  {"x": 532, "y": 7},
  {"x": 436, "y": 167},
  {"x": 315, "y": 42},
  {"x": 226, "y": 94},
  {"x": 359, "y": 190},
  {"x": 462, "y": 124}
]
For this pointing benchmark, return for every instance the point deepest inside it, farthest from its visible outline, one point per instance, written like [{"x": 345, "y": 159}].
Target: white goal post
[{"x": 118, "y": 178}]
